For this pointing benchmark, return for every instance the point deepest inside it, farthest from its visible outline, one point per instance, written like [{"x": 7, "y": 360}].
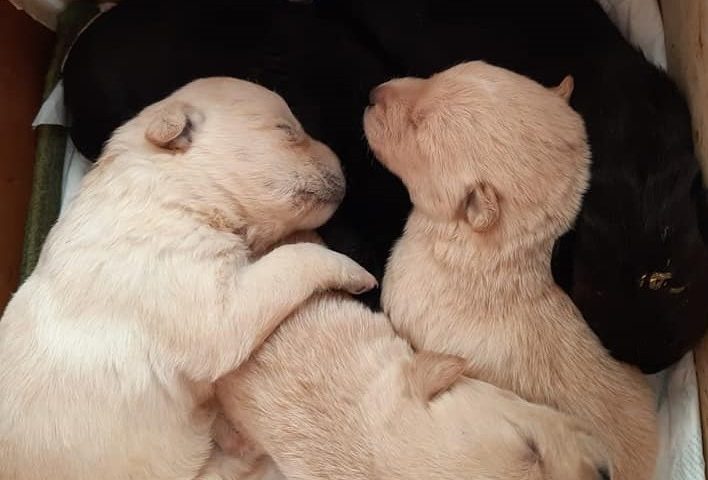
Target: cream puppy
[
  {"x": 334, "y": 394},
  {"x": 146, "y": 291},
  {"x": 496, "y": 166}
]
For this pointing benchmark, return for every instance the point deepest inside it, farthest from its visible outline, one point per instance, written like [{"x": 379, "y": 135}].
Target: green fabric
[{"x": 51, "y": 145}]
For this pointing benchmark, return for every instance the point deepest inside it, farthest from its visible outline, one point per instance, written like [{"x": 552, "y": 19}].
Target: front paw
[
  {"x": 355, "y": 279},
  {"x": 328, "y": 269}
]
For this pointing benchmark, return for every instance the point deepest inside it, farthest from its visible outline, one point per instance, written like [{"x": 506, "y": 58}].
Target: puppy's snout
[
  {"x": 398, "y": 89},
  {"x": 333, "y": 185},
  {"x": 377, "y": 95},
  {"x": 603, "y": 474}
]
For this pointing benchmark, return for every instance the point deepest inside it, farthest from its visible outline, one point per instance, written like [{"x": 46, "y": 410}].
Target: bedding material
[{"x": 640, "y": 22}]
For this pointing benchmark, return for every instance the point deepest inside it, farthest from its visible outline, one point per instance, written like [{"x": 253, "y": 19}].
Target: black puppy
[{"x": 635, "y": 264}]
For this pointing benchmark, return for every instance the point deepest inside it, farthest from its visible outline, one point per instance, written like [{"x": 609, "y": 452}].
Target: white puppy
[
  {"x": 145, "y": 291},
  {"x": 496, "y": 166}
]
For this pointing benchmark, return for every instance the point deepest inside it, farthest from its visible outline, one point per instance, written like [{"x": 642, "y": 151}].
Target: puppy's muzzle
[
  {"x": 334, "y": 188},
  {"x": 377, "y": 95}
]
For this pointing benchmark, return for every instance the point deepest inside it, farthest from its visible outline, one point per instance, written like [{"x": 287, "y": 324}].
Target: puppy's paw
[
  {"x": 329, "y": 270},
  {"x": 355, "y": 279}
]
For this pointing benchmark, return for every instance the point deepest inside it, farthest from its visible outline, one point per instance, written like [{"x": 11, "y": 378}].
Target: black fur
[{"x": 644, "y": 214}]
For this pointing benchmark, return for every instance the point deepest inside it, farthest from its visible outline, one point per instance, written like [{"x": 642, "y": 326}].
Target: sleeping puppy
[
  {"x": 358, "y": 404},
  {"x": 496, "y": 166},
  {"x": 146, "y": 290}
]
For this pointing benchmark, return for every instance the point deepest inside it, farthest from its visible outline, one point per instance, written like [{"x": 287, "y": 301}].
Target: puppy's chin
[
  {"x": 332, "y": 188},
  {"x": 372, "y": 130},
  {"x": 317, "y": 215}
]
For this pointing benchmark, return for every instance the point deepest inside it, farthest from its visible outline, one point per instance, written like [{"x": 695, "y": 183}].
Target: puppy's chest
[
  {"x": 494, "y": 335},
  {"x": 499, "y": 350},
  {"x": 456, "y": 327}
]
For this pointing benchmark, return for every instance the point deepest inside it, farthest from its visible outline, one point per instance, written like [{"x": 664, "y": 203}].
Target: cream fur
[
  {"x": 146, "y": 291},
  {"x": 496, "y": 166},
  {"x": 334, "y": 394}
]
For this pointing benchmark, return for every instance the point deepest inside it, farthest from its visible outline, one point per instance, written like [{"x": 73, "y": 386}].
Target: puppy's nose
[
  {"x": 604, "y": 474},
  {"x": 377, "y": 95}
]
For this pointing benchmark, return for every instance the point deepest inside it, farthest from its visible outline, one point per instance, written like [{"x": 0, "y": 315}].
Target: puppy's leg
[
  {"x": 275, "y": 285},
  {"x": 253, "y": 302}
]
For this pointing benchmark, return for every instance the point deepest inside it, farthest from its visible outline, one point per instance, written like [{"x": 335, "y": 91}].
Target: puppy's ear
[
  {"x": 482, "y": 207},
  {"x": 565, "y": 88},
  {"x": 430, "y": 374},
  {"x": 172, "y": 127}
]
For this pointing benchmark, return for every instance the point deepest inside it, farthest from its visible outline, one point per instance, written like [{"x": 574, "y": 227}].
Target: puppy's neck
[{"x": 489, "y": 265}]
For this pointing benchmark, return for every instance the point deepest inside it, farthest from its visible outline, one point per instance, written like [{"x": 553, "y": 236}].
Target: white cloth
[
  {"x": 641, "y": 24},
  {"x": 46, "y": 12},
  {"x": 52, "y": 111},
  {"x": 681, "y": 453}
]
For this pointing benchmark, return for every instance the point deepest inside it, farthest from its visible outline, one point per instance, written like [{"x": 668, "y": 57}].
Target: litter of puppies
[{"x": 536, "y": 221}]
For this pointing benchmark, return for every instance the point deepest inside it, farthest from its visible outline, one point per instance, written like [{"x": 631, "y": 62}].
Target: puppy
[
  {"x": 496, "y": 166},
  {"x": 146, "y": 292},
  {"x": 357, "y": 403}
]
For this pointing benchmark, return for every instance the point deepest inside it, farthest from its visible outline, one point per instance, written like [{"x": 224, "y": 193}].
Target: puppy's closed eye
[{"x": 290, "y": 131}]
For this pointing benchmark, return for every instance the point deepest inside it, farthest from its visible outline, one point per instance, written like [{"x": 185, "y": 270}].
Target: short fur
[
  {"x": 146, "y": 292},
  {"x": 358, "y": 404},
  {"x": 496, "y": 166}
]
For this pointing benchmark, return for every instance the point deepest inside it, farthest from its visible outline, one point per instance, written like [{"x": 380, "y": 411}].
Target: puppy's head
[
  {"x": 445, "y": 426},
  {"x": 234, "y": 146},
  {"x": 484, "y": 146}
]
